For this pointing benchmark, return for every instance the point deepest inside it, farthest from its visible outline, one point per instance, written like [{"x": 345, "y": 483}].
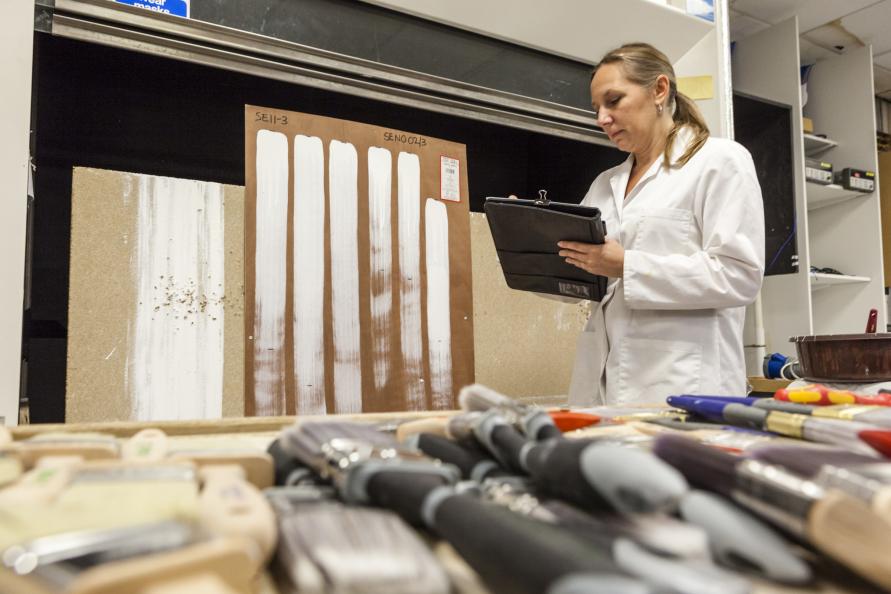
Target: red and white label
[{"x": 449, "y": 179}]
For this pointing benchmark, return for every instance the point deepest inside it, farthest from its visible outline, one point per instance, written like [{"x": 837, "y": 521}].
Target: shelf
[
  {"x": 814, "y": 145},
  {"x": 584, "y": 36},
  {"x": 820, "y": 196},
  {"x": 820, "y": 280}
]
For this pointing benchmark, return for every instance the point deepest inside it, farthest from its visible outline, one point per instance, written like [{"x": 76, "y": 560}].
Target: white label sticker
[{"x": 449, "y": 179}]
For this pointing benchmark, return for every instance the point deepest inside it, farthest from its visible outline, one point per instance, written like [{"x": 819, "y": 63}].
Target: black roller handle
[
  {"x": 555, "y": 467},
  {"x": 508, "y": 444},
  {"x": 404, "y": 492},
  {"x": 473, "y": 462},
  {"x": 511, "y": 553}
]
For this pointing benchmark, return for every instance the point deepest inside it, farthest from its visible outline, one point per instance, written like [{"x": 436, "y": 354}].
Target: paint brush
[
  {"x": 807, "y": 427},
  {"x": 861, "y": 476},
  {"x": 71, "y": 551},
  {"x": 142, "y": 493},
  {"x": 741, "y": 541},
  {"x": 708, "y": 408},
  {"x": 586, "y": 472},
  {"x": 593, "y": 473},
  {"x": 474, "y": 463},
  {"x": 327, "y": 546},
  {"x": 217, "y": 566},
  {"x": 532, "y": 421},
  {"x": 880, "y": 416},
  {"x": 836, "y": 523},
  {"x": 692, "y": 576},
  {"x": 146, "y": 445},
  {"x": 231, "y": 506},
  {"x": 538, "y": 557},
  {"x": 820, "y": 395},
  {"x": 784, "y": 406},
  {"x": 288, "y": 471},
  {"x": 258, "y": 466},
  {"x": 89, "y": 446}
]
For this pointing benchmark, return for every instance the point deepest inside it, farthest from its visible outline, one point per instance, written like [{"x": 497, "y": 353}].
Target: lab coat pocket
[
  {"x": 665, "y": 231},
  {"x": 652, "y": 369}
]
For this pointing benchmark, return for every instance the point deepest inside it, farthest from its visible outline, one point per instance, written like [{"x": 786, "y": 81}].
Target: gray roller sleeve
[
  {"x": 677, "y": 575},
  {"x": 631, "y": 480},
  {"x": 741, "y": 541}
]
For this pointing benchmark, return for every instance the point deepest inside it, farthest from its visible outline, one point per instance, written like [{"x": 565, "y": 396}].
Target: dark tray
[{"x": 864, "y": 358}]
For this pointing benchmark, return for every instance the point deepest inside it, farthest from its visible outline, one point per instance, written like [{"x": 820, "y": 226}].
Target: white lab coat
[{"x": 694, "y": 258}]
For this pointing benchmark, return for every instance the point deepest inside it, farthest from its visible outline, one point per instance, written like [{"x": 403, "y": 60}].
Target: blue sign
[{"x": 174, "y": 7}]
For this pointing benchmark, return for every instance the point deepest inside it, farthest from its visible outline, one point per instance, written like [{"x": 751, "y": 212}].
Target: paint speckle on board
[{"x": 184, "y": 300}]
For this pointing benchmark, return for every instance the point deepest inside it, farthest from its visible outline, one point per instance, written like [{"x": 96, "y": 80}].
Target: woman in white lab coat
[{"x": 685, "y": 246}]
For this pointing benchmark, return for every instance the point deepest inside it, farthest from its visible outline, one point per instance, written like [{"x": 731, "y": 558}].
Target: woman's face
[{"x": 626, "y": 111}]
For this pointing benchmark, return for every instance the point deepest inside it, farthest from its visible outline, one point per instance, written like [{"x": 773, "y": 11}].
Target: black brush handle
[
  {"x": 555, "y": 466},
  {"x": 288, "y": 470},
  {"x": 511, "y": 553},
  {"x": 508, "y": 444},
  {"x": 548, "y": 432},
  {"x": 473, "y": 462},
  {"x": 404, "y": 492}
]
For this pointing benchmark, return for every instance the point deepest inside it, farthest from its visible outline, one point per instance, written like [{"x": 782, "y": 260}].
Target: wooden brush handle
[
  {"x": 847, "y": 529},
  {"x": 435, "y": 425}
]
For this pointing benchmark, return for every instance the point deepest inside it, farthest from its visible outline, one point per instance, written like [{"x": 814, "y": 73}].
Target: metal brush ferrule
[
  {"x": 776, "y": 495},
  {"x": 516, "y": 497},
  {"x": 351, "y": 463},
  {"x": 851, "y": 482}
]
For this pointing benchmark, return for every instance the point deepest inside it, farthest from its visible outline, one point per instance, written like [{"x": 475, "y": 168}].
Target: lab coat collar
[{"x": 619, "y": 179}]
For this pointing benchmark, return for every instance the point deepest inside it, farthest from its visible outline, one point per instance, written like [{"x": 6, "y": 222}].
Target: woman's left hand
[{"x": 607, "y": 259}]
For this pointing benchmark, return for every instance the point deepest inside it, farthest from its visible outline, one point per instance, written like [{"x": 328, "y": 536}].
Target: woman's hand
[{"x": 607, "y": 259}]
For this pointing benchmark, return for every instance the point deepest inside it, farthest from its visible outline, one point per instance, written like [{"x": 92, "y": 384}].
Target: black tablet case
[{"x": 526, "y": 233}]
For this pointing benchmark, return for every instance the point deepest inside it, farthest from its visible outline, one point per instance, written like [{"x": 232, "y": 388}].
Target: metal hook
[{"x": 542, "y": 198}]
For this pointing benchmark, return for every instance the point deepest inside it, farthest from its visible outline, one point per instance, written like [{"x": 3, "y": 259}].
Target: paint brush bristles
[
  {"x": 481, "y": 398},
  {"x": 328, "y": 547},
  {"x": 808, "y": 460}
]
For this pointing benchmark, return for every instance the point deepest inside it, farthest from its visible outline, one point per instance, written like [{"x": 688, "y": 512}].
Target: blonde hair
[{"x": 643, "y": 65}]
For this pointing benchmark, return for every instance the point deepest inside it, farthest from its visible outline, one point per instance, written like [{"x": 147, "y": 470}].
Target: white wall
[{"x": 16, "y": 46}]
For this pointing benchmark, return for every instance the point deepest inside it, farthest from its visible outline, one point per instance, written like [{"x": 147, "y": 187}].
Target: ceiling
[{"x": 827, "y": 27}]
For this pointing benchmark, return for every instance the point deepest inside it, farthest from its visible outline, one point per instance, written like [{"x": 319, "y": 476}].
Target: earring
[{"x": 659, "y": 108}]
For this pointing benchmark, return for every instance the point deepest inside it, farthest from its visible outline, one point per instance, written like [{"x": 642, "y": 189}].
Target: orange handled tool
[
  {"x": 820, "y": 395},
  {"x": 566, "y": 420}
]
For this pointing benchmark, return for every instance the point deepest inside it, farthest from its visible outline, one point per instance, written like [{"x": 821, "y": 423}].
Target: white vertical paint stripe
[
  {"x": 439, "y": 325},
  {"x": 343, "y": 197},
  {"x": 380, "y": 165},
  {"x": 409, "y": 207},
  {"x": 270, "y": 272},
  {"x": 175, "y": 363},
  {"x": 309, "y": 274}
]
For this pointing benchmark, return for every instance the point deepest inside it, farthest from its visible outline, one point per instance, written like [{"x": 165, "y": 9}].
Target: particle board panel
[
  {"x": 524, "y": 343},
  {"x": 105, "y": 299}
]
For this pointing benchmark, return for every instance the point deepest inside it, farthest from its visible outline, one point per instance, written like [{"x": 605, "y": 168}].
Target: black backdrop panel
[
  {"x": 380, "y": 35},
  {"x": 765, "y": 128}
]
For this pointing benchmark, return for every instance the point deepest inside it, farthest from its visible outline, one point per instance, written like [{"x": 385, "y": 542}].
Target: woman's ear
[{"x": 661, "y": 89}]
